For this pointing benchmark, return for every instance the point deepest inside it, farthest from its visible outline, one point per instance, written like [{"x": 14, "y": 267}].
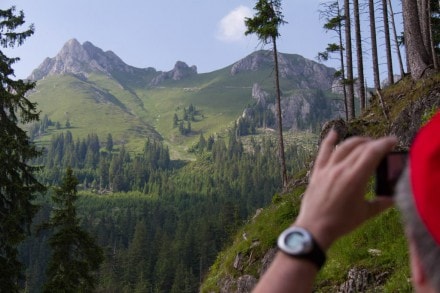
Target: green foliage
[
  {"x": 166, "y": 235},
  {"x": 39, "y": 128},
  {"x": 109, "y": 143},
  {"x": 429, "y": 114},
  {"x": 75, "y": 254},
  {"x": 266, "y": 22},
  {"x": 379, "y": 246},
  {"x": 261, "y": 234},
  {"x": 130, "y": 110},
  {"x": 103, "y": 171},
  {"x": 17, "y": 182}
]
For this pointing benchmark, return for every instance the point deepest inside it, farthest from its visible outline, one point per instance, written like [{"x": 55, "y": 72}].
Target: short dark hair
[{"x": 427, "y": 249}]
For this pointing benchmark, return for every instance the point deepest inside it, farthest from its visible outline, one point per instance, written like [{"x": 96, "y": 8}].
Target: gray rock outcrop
[
  {"x": 305, "y": 73},
  {"x": 299, "y": 110},
  {"x": 181, "y": 70},
  {"x": 78, "y": 59}
]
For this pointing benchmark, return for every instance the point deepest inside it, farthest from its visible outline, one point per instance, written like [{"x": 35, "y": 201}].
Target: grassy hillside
[
  {"x": 89, "y": 109},
  {"x": 131, "y": 109},
  {"x": 379, "y": 246}
]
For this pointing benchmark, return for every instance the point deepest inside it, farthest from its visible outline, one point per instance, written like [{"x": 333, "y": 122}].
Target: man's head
[{"x": 418, "y": 197}]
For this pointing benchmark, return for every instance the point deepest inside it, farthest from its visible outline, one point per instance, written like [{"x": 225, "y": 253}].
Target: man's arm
[{"x": 333, "y": 205}]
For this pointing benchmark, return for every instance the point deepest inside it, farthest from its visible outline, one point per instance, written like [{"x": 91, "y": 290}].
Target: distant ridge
[
  {"x": 84, "y": 59},
  {"x": 96, "y": 91},
  {"x": 291, "y": 66}
]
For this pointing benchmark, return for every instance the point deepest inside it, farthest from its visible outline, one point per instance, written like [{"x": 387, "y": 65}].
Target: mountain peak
[
  {"x": 291, "y": 66},
  {"x": 72, "y": 43},
  {"x": 78, "y": 59},
  {"x": 180, "y": 71}
]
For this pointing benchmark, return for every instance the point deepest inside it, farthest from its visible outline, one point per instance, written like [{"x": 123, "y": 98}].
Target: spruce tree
[
  {"x": 75, "y": 255},
  {"x": 17, "y": 182},
  {"x": 265, "y": 24},
  {"x": 109, "y": 144}
]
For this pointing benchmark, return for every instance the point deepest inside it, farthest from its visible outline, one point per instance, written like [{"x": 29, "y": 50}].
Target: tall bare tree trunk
[
  {"x": 360, "y": 59},
  {"x": 418, "y": 57},
  {"x": 341, "y": 56},
  {"x": 396, "y": 42},
  {"x": 424, "y": 20},
  {"x": 432, "y": 45},
  {"x": 408, "y": 64},
  {"x": 349, "y": 58},
  {"x": 386, "y": 29},
  {"x": 279, "y": 114},
  {"x": 375, "y": 58}
]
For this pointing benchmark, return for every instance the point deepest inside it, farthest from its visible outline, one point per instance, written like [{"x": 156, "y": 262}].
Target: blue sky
[{"x": 147, "y": 33}]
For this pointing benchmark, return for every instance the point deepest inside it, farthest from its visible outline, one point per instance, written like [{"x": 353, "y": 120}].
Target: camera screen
[{"x": 388, "y": 173}]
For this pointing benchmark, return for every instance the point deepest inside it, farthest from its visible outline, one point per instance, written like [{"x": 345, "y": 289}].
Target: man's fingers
[
  {"x": 373, "y": 152},
  {"x": 347, "y": 147},
  {"x": 326, "y": 148}
]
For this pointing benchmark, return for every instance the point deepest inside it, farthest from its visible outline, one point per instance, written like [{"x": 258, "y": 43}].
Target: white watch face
[{"x": 295, "y": 241}]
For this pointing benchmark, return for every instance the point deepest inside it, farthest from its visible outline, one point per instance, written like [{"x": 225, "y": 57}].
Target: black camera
[{"x": 388, "y": 172}]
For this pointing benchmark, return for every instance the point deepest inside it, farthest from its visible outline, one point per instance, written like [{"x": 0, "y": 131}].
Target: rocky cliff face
[
  {"x": 308, "y": 106},
  {"x": 300, "y": 111},
  {"x": 306, "y": 73},
  {"x": 83, "y": 59},
  {"x": 180, "y": 71},
  {"x": 78, "y": 59}
]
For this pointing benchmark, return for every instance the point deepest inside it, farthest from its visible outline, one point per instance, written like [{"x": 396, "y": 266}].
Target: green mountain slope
[
  {"x": 96, "y": 92},
  {"x": 90, "y": 109}
]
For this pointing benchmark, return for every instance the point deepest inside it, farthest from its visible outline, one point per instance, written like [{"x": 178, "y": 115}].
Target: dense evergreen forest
[{"x": 161, "y": 222}]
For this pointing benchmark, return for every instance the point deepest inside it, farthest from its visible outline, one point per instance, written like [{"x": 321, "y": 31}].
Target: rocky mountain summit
[
  {"x": 83, "y": 59},
  {"x": 306, "y": 73},
  {"x": 80, "y": 59},
  {"x": 181, "y": 70}
]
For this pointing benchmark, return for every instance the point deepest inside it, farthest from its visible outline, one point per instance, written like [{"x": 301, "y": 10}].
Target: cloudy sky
[{"x": 147, "y": 33}]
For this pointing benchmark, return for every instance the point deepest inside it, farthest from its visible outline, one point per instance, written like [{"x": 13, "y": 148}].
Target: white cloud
[{"x": 231, "y": 28}]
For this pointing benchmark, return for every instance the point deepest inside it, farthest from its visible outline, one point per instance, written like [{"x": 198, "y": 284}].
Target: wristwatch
[{"x": 299, "y": 243}]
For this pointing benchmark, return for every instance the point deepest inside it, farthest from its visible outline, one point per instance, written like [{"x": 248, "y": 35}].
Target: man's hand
[{"x": 334, "y": 203}]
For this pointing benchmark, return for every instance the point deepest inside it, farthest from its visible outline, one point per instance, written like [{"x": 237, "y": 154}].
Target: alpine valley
[
  {"x": 97, "y": 92},
  {"x": 170, "y": 164}
]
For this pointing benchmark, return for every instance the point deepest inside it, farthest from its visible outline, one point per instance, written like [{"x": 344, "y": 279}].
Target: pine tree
[
  {"x": 75, "y": 255},
  {"x": 414, "y": 20},
  {"x": 17, "y": 182},
  {"x": 349, "y": 61},
  {"x": 331, "y": 12},
  {"x": 109, "y": 144},
  {"x": 265, "y": 25},
  {"x": 175, "y": 120},
  {"x": 359, "y": 54},
  {"x": 374, "y": 55},
  {"x": 386, "y": 29}
]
